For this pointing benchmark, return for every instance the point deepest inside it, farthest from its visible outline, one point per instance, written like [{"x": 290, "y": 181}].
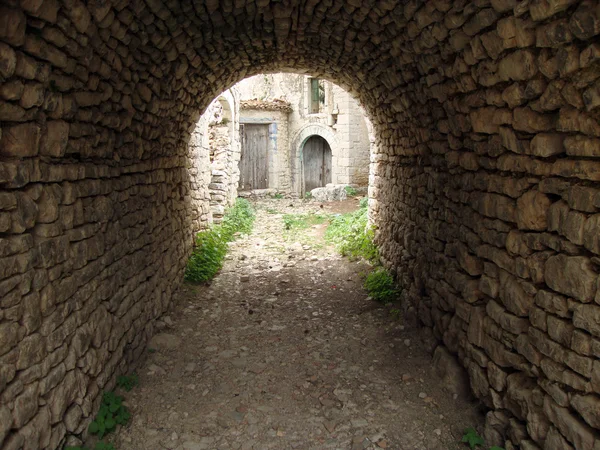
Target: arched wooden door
[{"x": 317, "y": 163}]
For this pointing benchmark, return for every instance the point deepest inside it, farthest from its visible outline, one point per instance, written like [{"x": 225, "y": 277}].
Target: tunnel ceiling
[{"x": 484, "y": 187}]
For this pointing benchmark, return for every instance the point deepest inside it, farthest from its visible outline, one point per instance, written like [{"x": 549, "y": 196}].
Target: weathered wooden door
[
  {"x": 317, "y": 163},
  {"x": 254, "y": 162}
]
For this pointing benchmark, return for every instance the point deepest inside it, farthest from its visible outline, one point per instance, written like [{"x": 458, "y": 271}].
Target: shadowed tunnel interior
[{"x": 484, "y": 186}]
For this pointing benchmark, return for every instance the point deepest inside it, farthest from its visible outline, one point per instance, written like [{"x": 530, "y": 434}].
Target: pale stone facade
[
  {"x": 341, "y": 121},
  {"x": 279, "y": 158},
  {"x": 485, "y": 186}
]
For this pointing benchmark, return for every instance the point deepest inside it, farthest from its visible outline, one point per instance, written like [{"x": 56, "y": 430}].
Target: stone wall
[
  {"x": 485, "y": 186},
  {"x": 224, "y": 152}
]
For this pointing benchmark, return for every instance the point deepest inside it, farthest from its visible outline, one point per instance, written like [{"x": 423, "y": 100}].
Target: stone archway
[
  {"x": 485, "y": 185},
  {"x": 298, "y": 142}
]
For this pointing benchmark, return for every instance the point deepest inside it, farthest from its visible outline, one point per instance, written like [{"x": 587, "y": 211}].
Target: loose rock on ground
[{"x": 284, "y": 350}]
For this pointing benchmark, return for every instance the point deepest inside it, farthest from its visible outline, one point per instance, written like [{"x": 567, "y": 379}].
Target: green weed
[
  {"x": 272, "y": 211},
  {"x": 128, "y": 382},
  {"x": 111, "y": 413},
  {"x": 350, "y": 191},
  {"x": 395, "y": 313},
  {"x": 473, "y": 440},
  {"x": 238, "y": 219},
  {"x": 302, "y": 221},
  {"x": 380, "y": 286},
  {"x": 308, "y": 196},
  {"x": 277, "y": 196},
  {"x": 211, "y": 245},
  {"x": 352, "y": 236}
]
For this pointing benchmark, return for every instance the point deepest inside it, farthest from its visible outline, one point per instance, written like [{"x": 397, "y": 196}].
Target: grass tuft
[
  {"x": 302, "y": 221},
  {"x": 380, "y": 286},
  {"x": 211, "y": 245},
  {"x": 350, "y": 191},
  {"x": 352, "y": 236}
]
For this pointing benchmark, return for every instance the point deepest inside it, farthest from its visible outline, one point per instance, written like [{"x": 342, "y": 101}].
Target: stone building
[
  {"x": 484, "y": 186},
  {"x": 309, "y": 119}
]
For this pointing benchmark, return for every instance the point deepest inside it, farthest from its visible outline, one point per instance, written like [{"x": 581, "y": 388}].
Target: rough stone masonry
[{"x": 485, "y": 186}]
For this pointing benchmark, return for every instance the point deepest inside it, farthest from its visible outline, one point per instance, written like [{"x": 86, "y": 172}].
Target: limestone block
[
  {"x": 582, "y": 146},
  {"x": 525, "y": 119},
  {"x": 329, "y": 193},
  {"x": 20, "y": 140},
  {"x": 8, "y": 61},
  {"x": 514, "y": 296},
  {"x": 587, "y": 317},
  {"x": 542, "y": 9},
  {"x": 454, "y": 377},
  {"x": 585, "y": 21},
  {"x": 532, "y": 211},
  {"x": 26, "y": 405},
  {"x": 560, "y": 330},
  {"x": 572, "y": 428},
  {"x": 12, "y": 25},
  {"x": 573, "y": 276},
  {"x": 548, "y": 144},
  {"x": 555, "y": 441},
  {"x": 79, "y": 14},
  {"x": 54, "y": 140},
  {"x": 47, "y": 206},
  {"x": 518, "y": 65},
  {"x": 6, "y": 421}
]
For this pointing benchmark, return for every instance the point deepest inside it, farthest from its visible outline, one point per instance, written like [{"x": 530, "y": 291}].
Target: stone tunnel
[{"x": 484, "y": 186}]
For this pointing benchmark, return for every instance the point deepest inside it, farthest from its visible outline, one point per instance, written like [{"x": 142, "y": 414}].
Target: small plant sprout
[
  {"x": 128, "y": 382},
  {"x": 111, "y": 413},
  {"x": 472, "y": 438},
  {"x": 395, "y": 313}
]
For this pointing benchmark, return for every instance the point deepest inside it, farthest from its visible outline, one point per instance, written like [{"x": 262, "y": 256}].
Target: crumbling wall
[{"x": 224, "y": 152}]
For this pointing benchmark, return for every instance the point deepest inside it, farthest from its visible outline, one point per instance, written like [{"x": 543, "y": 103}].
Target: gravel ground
[{"x": 284, "y": 350}]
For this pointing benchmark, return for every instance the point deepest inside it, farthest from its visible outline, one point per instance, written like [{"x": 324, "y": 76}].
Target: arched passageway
[{"x": 485, "y": 185}]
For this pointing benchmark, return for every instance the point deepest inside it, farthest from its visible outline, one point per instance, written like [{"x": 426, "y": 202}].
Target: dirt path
[{"x": 284, "y": 351}]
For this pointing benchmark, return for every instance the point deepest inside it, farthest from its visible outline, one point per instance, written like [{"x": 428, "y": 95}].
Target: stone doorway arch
[{"x": 303, "y": 135}]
